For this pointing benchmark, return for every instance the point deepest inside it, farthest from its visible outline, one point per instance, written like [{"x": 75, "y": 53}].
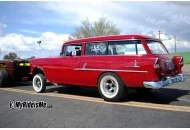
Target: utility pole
[
  {"x": 175, "y": 42},
  {"x": 39, "y": 42},
  {"x": 159, "y": 32}
]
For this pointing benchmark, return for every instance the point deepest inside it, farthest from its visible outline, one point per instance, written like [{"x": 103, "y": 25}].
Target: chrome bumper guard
[{"x": 167, "y": 82}]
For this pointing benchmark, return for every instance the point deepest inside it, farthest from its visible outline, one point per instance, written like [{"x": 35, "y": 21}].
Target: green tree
[
  {"x": 101, "y": 27},
  {"x": 11, "y": 56}
]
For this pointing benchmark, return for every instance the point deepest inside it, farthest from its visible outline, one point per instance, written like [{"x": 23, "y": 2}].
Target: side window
[
  {"x": 156, "y": 47},
  {"x": 122, "y": 47},
  {"x": 72, "y": 50},
  {"x": 96, "y": 48},
  {"x": 131, "y": 47},
  {"x": 140, "y": 49}
]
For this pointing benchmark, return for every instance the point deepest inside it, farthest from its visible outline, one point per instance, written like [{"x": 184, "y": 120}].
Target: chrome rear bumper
[{"x": 168, "y": 81}]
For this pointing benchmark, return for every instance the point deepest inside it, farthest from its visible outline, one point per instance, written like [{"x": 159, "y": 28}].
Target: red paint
[{"x": 63, "y": 69}]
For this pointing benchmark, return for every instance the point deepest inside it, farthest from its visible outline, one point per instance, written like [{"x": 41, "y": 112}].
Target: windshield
[{"x": 156, "y": 47}]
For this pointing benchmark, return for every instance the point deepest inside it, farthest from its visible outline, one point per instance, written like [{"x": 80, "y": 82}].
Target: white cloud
[
  {"x": 130, "y": 17},
  {"x": 70, "y": 12},
  {"x": 156, "y": 22},
  {"x": 169, "y": 42},
  {"x": 51, "y": 44},
  {"x": 26, "y": 46}
]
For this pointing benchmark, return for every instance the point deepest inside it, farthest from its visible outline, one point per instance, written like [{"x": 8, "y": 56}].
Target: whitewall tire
[
  {"x": 111, "y": 87},
  {"x": 39, "y": 83}
]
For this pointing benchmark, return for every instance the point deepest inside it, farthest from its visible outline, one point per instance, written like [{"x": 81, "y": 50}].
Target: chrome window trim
[
  {"x": 85, "y": 42},
  {"x": 115, "y": 55},
  {"x": 181, "y": 63}
]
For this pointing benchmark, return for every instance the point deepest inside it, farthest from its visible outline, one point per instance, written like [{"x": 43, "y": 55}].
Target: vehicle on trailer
[
  {"x": 112, "y": 63},
  {"x": 12, "y": 71}
]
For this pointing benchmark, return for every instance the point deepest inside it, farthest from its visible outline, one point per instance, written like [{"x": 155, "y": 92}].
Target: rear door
[{"x": 93, "y": 62}]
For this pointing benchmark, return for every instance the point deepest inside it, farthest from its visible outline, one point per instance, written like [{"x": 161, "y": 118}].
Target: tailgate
[{"x": 168, "y": 66}]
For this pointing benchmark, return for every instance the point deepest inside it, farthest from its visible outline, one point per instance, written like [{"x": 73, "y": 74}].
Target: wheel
[
  {"x": 4, "y": 78},
  {"x": 39, "y": 83},
  {"x": 143, "y": 90},
  {"x": 111, "y": 87}
]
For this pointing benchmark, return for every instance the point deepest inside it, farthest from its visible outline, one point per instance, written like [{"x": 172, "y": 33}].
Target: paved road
[{"x": 83, "y": 107}]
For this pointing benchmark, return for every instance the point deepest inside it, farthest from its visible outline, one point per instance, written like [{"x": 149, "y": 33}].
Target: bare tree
[
  {"x": 11, "y": 56},
  {"x": 101, "y": 27}
]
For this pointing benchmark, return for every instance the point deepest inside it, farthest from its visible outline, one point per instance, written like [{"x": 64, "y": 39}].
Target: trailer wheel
[{"x": 3, "y": 78}]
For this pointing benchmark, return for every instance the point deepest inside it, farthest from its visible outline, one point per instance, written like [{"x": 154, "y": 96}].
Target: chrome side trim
[
  {"x": 163, "y": 83},
  {"x": 132, "y": 71},
  {"x": 89, "y": 69},
  {"x": 132, "y": 66},
  {"x": 155, "y": 65},
  {"x": 181, "y": 63},
  {"x": 135, "y": 65},
  {"x": 84, "y": 66}
]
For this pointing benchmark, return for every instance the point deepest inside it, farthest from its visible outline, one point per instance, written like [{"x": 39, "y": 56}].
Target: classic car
[
  {"x": 113, "y": 64},
  {"x": 12, "y": 71}
]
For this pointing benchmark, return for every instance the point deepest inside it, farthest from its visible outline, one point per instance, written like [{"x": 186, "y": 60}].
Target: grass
[{"x": 185, "y": 55}]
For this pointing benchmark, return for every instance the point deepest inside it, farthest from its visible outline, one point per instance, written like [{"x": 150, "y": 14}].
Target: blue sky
[
  {"x": 23, "y": 23},
  {"x": 19, "y": 17}
]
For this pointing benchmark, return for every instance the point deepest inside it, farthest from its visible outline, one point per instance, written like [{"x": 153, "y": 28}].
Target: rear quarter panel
[{"x": 121, "y": 65}]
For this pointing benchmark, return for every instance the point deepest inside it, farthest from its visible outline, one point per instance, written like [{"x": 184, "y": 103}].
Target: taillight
[
  {"x": 156, "y": 64},
  {"x": 181, "y": 61}
]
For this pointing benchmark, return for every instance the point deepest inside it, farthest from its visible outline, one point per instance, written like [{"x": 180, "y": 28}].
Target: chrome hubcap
[
  {"x": 37, "y": 83},
  {"x": 109, "y": 87}
]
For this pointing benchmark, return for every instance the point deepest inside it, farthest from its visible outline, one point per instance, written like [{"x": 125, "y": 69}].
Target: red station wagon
[{"x": 112, "y": 63}]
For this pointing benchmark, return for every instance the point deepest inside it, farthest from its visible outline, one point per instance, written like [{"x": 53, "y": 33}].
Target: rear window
[{"x": 156, "y": 47}]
